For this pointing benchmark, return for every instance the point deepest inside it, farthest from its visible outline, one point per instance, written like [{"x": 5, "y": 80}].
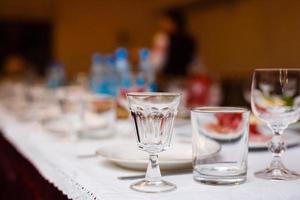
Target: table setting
[{"x": 76, "y": 143}]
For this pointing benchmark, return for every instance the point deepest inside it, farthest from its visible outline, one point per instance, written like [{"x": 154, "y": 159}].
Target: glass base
[
  {"x": 234, "y": 180},
  {"x": 277, "y": 174},
  {"x": 220, "y": 174},
  {"x": 153, "y": 187}
]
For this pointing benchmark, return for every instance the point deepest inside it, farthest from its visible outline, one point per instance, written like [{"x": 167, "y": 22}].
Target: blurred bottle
[
  {"x": 146, "y": 76},
  {"x": 56, "y": 75},
  {"x": 125, "y": 82},
  {"x": 98, "y": 79},
  {"x": 112, "y": 76},
  {"x": 123, "y": 70}
]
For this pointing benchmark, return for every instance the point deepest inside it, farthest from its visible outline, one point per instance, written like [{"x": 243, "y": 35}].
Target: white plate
[
  {"x": 62, "y": 124},
  {"x": 57, "y": 125},
  {"x": 178, "y": 156},
  {"x": 290, "y": 137}
]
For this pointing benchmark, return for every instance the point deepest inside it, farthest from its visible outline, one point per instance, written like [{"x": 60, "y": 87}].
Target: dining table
[{"x": 74, "y": 171}]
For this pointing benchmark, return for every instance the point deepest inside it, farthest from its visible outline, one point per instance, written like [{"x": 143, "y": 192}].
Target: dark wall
[{"x": 31, "y": 40}]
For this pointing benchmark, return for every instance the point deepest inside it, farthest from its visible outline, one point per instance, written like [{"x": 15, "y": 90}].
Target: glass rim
[
  {"x": 135, "y": 94},
  {"x": 219, "y": 109},
  {"x": 276, "y": 69}
]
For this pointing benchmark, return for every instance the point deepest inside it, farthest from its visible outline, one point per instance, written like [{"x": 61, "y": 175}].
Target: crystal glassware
[
  {"x": 99, "y": 117},
  {"x": 71, "y": 100},
  {"x": 275, "y": 99},
  {"x": 153, "y": 114},
  {"x": 226, "y": 125}
]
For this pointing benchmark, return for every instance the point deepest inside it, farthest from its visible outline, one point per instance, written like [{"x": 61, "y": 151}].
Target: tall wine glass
[
  {"x": 275, "y": 99},
  {"x": 153, "y": 114}
]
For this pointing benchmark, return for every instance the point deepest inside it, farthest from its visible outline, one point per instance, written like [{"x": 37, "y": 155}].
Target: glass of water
[
  {"x": 153, "y": 114},
  {"x": 228, "y": 126},
  {"x": 275, "y": 99}
]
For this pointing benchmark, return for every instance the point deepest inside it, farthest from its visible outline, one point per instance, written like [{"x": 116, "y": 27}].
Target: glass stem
[
  {"x": 277, "y": 147},
  {"x": 73, "y": 133},
  {"x": 153, "y": 171},
  {"x": 82, "y": 117}
]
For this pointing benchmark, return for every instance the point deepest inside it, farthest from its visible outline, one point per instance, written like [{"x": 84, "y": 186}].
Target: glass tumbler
[
  {"x": 99, "y": 117},
  {"x": 228, "y": 126},
  {"x": 71, "y": 103}
]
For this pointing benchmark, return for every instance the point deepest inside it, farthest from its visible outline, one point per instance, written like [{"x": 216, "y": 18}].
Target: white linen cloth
[{"x": 95, "y": 178}]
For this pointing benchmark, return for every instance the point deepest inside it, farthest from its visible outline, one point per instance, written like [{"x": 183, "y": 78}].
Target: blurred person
[
  {"x": 17, "y": 77},
  {"x": 14, "y": 68},
  {"x": 174, "y": 48},
  {"x": 17, "y": 69},
  {"x": 179, "y": 68}
]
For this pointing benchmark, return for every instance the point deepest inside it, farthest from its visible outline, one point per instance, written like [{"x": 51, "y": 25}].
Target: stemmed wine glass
[
  {"x": 153, "y": 114},
  {"x": 275, "y": 99}
]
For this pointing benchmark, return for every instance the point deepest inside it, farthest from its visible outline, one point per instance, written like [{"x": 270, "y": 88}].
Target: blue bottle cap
[
  {"x": 96, "y": 58},
  {"x": 144, "y": 53},
  {"x": 121, "y": 53},
  {"x": 110, "y": 60}
]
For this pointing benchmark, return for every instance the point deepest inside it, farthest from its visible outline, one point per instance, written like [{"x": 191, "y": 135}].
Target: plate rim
[
  {"x": 141, "y": 161},
  {"x": 263, "y": 145}
]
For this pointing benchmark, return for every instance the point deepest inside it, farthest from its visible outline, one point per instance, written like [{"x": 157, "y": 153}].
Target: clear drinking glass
[
  {"x": 153, "y": 114},
  {"x": 275, "y": 99},
  {"x": 99, "y": 117},
  {"x": 71, "y": 101},
  {"x": 228, "y": 126}
]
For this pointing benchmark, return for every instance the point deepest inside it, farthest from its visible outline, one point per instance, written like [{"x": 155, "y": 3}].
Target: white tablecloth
[{"x": 95, "y": 178}]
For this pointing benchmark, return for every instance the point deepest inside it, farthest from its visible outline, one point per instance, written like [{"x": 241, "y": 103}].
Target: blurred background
[{"x": 217, "y": 40}]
